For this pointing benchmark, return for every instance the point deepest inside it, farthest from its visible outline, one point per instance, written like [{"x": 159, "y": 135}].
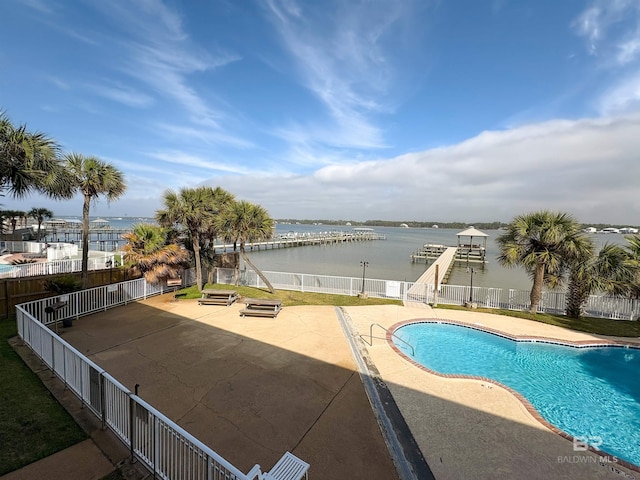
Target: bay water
[{"x": 388, "y": 259}]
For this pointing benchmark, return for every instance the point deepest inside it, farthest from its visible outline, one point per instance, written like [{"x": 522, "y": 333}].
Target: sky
[{"x": 425, "y": 110}]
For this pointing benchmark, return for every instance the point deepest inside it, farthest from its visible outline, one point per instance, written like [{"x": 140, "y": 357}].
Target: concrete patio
[{"x": 252, "y": 388}]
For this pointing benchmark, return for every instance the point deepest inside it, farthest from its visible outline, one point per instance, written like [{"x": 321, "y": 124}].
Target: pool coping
[{"x": 528, "y": 338}]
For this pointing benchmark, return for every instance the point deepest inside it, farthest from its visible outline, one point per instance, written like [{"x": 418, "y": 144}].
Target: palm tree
[
  {"x": 544, "y": 243},
  {"x": 92, "y": 177},
  {"x": 633, "y": 253},
  {"x": 246, "y": 222},
  {"x": 221, "y": 200},
  {"x": 40, "y": 215},
  {"x": 30, "y": 162},
  {"x": 14, "y": 216},
  {"x": 148, "y": 251},
  {"x": 194, "y": 210},
  {"x": 609, "y": 271}
]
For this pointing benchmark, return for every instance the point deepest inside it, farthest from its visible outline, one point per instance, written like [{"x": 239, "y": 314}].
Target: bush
[{"x": 62, "y": 285}]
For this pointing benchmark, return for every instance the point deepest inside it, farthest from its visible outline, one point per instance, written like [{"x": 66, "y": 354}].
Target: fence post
[
  {"x": 132, "y": 406},
  {"x": 64, "y": 365},
  {"x": 155, "y": 445},
  {"x": 53, "y": 357},
  {"x": 103, "y": 402},
  {"x": 302, "y": 282}
]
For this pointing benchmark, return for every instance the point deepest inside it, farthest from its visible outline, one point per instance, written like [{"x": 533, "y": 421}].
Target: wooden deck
[{"x": 444, "y": 262}]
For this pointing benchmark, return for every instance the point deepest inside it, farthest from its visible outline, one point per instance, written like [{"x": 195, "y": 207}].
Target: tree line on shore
[{"x": 423, "y": 224}]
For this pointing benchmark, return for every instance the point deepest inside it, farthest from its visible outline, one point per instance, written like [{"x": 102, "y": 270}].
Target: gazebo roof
[{"x": 472, "y": 232}]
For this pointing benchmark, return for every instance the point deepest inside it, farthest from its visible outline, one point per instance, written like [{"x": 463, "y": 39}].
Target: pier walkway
[
  {"x": 443, "y": 262},
  {"x": 110, "y": 239},
  {"x": 299, "y": 240}
]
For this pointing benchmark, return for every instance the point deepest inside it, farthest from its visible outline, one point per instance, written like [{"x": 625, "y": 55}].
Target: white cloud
[
  {"x": 587, "y": 167},
  {"x": 123, "y": 94},
  {"x": 622, "y": 97},
  {"x": 189, "y": 160},
  {"x": 612, "y": 29},
  {"x": 340, "y": 52},
  {"x": 158, "y": 52}
]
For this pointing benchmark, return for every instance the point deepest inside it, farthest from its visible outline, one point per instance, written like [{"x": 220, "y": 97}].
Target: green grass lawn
[
  {"x": 598, "y": 326},
  {"x": 292, "y": 298},
  {"x": 33, "y": 424}
]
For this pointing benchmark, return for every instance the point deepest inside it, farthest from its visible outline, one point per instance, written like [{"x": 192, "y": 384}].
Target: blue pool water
[
  {"x": 6, "y": 268},
  {"x": 587, "y": 392}
]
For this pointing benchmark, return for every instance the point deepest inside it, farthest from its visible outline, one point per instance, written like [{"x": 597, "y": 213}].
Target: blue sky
[{"x": 464, "y": 110}]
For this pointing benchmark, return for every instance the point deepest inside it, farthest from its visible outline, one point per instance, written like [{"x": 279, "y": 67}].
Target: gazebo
[
  {"x": 469, "y": 250},
  {"x": 99, "y": 223}
]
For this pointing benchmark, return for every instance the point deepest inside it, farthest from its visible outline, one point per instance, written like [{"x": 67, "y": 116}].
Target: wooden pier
[
  {"x": 468, "y": 250},
  {"x": 304, "y": 239},
  {"x": 463, "y": 253},
  {"x": 110, "y": 239},
  {"x": 443, "y": 263}
]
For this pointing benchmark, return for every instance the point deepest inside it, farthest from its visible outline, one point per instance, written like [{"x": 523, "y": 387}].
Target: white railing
[
  {"x": 168, "y": 450},
  {"x": 553, "y": 302},
  {"x": 50, "y": 268}
]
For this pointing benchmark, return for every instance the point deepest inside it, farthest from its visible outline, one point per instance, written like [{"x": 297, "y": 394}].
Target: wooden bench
[
  {"x": 260, "y": 307},
  {"x": 218, "y": 297}
]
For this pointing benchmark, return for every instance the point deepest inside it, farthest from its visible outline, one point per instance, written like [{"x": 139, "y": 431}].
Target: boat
[
  {"x": 609, "y": 230},
  {"x": 627, "y": 230},
  {"x": 404, "y": 225},
  {"x": 590, "y": 230}
]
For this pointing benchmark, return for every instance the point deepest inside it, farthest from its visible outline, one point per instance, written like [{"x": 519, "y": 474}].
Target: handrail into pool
[{"x": 388, "y": 332}]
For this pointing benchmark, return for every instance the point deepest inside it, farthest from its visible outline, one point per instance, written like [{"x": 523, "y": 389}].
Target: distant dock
[
  {"x": 110, "y": 239},
  {"x": 295, "y": 239}
]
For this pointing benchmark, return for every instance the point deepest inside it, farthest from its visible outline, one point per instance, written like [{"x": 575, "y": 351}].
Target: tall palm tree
[
  {"x": 148, "y": 251},
  {"x": 194, "y": 210},
  {"x": 92, "y": 178},
  {"x": 544, "y": 243},
  {"x": 221, "y": 200},
  {"x": 246, "y": 222},
  {"x": 40, "y": 215},
  {"x": 609, "y": 271},
  {"x": 29, "y": 161}
]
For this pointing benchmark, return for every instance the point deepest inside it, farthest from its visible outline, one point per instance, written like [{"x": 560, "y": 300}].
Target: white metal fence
[
  {"x": 602, "y": 306},
  {"x": 53, "y": 267},
  {"x": 168, "y": 450}
]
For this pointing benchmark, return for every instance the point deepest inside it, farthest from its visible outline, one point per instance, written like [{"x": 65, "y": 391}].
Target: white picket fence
[
  {"x": 602, "y": 306},
  {"x": 169, "y": 451}
]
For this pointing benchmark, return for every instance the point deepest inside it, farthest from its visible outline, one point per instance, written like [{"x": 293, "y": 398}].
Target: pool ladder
[{"x": 370, "y": 342}]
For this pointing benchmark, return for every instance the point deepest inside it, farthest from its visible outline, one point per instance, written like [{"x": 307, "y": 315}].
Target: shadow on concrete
[{"x": 253, "y": 388}]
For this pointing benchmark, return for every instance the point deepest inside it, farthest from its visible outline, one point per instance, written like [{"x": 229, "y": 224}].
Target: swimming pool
[{"x": 590, "y": 393}]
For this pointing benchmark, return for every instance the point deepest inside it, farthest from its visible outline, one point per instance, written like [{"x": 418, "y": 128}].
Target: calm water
[
  {"x": 388, "y": 259},
  {"x": 587, "y": 392}
]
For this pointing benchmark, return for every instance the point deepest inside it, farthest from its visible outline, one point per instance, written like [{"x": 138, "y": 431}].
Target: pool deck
[
  {"x": 471, "y": 428},
  {"x": 252, "y": 388}
]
